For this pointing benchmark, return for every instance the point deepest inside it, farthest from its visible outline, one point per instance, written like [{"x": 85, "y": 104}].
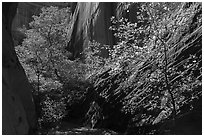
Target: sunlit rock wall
[
  {"x": 18, "y": 110},
  {"x": 91, "y": 21}
]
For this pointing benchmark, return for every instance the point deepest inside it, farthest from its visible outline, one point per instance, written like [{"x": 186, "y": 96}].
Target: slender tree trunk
[
  {"x": 168, "y": 87},
  {"x": 38, "y": 75},
  {"x": 166, "y": 78},
  {"x": 165, "y": 71}
]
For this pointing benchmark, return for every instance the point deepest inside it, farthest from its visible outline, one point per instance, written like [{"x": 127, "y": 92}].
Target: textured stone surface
[
  {"x": 18, "y": 110},
  {"x": 14, "y": 119},
  {"x": 91, "y": 21}
]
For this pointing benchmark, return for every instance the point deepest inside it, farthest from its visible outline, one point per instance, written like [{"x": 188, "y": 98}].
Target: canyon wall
[
  {"x": 18, "y": 110},
  {"x": 91, "y": 21}
]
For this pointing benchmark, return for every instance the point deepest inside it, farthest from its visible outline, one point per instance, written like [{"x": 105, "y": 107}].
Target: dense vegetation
[{"x": 149, "y": 82}]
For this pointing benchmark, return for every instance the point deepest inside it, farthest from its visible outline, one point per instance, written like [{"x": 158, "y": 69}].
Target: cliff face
[
  {"x": 91, "y": 21},
  {"x": 18, "y": 110}
]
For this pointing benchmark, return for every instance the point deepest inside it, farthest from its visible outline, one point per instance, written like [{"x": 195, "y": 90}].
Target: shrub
[{"x": 52, "y": 111}]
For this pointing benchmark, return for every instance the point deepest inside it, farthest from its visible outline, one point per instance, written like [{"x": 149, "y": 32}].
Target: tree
[
  {"x": 44, "y": 59},
  {"x": 52, "y": 25},
  {"x": 46, "y": 40}
]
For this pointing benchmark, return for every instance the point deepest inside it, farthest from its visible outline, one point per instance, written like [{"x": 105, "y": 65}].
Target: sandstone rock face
[
  {"x": 91, "y": 21},
  {"x": 18, "y": 110}
]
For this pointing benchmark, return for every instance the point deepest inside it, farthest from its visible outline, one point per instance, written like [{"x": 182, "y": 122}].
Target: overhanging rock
[{"x": 18, "y": 110}]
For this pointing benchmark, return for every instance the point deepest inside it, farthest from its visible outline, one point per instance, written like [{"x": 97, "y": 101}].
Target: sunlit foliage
[{"x": 140, "y": 52}]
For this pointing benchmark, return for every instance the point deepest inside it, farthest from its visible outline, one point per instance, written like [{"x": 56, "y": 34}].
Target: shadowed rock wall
[{"x": 18, "y": 110}]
